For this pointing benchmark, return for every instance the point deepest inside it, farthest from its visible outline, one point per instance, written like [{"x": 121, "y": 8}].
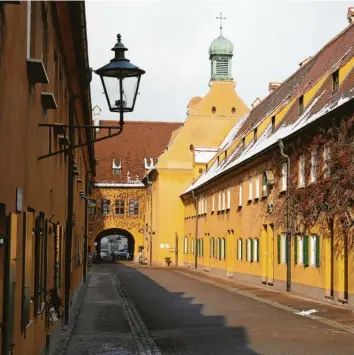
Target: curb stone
[{"x": 64, "y": 339}]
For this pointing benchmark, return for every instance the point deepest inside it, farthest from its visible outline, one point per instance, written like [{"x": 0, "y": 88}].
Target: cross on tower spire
[{"x": 221, "y": 18}]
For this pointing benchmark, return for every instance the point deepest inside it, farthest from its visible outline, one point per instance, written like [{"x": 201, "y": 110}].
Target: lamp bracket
[{"x": 60, "y": 133}]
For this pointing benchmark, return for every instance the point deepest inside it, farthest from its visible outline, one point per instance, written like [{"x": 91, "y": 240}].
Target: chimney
[
  {"x": 304, "y": 61},
  {"x": 273, "y": 86},
  {"x": 256, "y": 102},
  {"x": 350, "y": 15}
]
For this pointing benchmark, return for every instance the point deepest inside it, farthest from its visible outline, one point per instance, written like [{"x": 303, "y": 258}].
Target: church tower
[{"x": 221, "y": 52}]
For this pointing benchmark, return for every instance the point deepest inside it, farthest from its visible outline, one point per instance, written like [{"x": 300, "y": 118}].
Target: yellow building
[
  {"x": 209, "y": 120},
  {"x": 118, "y": 203},
  {"x": 237, "y": 222}
]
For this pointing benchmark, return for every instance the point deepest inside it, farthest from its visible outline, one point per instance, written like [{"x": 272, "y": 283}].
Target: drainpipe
[
  {"x": 150, "y": 232},
  {"x": 288, "y": 237},
  {"x": 196, "y": 231},
  {"x": 87, "y": 179},
  {"x": 70, "y": 210}
]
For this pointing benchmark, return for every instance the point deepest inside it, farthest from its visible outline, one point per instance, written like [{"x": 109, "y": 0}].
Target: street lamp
[{"x": 120, "y": 80}]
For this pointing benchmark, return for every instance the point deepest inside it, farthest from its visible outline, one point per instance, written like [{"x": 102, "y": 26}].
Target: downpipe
[
  {"x": 288, "y": 236},
  {"x": 196, "y": 231}
]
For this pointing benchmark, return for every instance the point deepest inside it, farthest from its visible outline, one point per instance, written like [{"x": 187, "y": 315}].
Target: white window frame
[
  {"x": 228, "y": 205},
  {"x": 283, "y": 248},
  {"x": 300, "y": 253},
  {"x": 313, "y": 166},
  {"x": 250, "y": 188},
  {"x": 219, "y": 205},
  {"x": 205, "y": 204},
  {"x": 213, "y": 203},
  {"x": 249, "y": 250},
  {"x": 218, "y": 248},
  {"x": 239, "y": 249},
  {"x": 284, "y": 177},
  {"x": 223, "y": 200},
  {"x": 255, "y": 250},
  {"x": 223, "y": 249},
  {"x": 302, "y": 175},
  {"x": 185, "y": 245},
  {"x": 257, "y": 187},
  {"x": 240, "y": 195}
]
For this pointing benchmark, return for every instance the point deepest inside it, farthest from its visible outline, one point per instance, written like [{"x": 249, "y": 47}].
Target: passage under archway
[{"x": 115, "y": 243}]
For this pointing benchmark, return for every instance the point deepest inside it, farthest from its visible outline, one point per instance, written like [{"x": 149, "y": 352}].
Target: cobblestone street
[{"x": 139, "y": 310}]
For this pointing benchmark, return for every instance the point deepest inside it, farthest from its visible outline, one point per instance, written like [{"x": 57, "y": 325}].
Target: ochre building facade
[
  {"x": 41, "y": 51},
  {"x": 237, "y": 222}
]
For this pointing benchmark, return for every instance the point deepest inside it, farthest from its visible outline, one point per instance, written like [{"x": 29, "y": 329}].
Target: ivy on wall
[{"x": 99, "y": 223}]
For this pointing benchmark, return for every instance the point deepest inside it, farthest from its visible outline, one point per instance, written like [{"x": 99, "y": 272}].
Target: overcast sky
[{"x": 170, "y": 40}]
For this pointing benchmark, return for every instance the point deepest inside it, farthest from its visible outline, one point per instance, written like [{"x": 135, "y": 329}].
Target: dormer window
[
  {"x": 149, "y": 163},
  {"x": 301, "y": 105},
  {"x": 243, "y": 143},
  {"x": 116, "y": 167},
  {"x": 273, "y": 124},
  {"x": 335, "y": 79},
  {"x": 255, "y": 135}
]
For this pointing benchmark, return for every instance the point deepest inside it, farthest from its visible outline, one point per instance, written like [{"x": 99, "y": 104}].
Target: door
[{"x": 264, "y": 253}]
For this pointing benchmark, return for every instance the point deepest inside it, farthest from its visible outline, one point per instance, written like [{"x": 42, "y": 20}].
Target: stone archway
[{"x": 116, "y": 232}]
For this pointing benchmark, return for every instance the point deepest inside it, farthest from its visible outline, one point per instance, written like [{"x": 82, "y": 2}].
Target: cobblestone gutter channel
[{"x": 143, "y": 339}]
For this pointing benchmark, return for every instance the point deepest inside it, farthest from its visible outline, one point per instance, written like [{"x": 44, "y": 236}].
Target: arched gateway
[{"x": 119, "y": 234}]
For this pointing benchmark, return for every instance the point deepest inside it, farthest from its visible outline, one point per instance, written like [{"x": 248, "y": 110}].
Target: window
[
  {"x": 212, "y": 247},
  {"x": 255, "y": 135},
  {"x": 299, "y": 250},
  {"x": 213, "y": 110},
  {"x": 119, "y": 207},
  {"x": 240, "y": 195},
  {"x": 249, "y": 250},
  {"x": 116, "y": 168},
  {"x": 264, "y": 186},
  {"x": 250, "y": 188},
  {"x": 335, "y": 79},
  {"x": 302, "y": 171},
  {"x": 313, "y": 166},
  {"x": 243, "y": 143},
  {"x": 201, "y": 247},
  {"x": 257, "y": 187},
  {"x": 301, "y": 105},
  {"x": 256, "y": 250},
  {"x": 44, "y": 36},
  {"x": 217, "y": 254},
  {"x": 91, "y": 206},
  {"x": 192, "y": 246},
  {"x": 228, "y": 205},
  {"x": 315, "y": 251},
  {"x": 205, "y": 205},
  {"x": 282, "y": 249},
  {"x": 213, "y": 203},
  {"x": 223, "y": 249},
  {"x": 116, "y": 171},
  {"x": 223, "y": 200},
  {"x": 105, "y": 207},
  {"x": 284, "y": 177},
  {"x": 219, "y": 204},
  {"x": 133, "y": 207},
  {"x": 326, "y": 152},
  {"x": 273, "y": 124},
  {"x": 239, "y": 249}
]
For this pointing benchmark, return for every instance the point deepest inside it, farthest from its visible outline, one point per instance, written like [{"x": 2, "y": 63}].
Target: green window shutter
[
  {"x": 241, "y": 245},
  {"x": 258, "y": 247},
  {"x": 317, "y": 251},
  {"x": 224, "y": 248},
  {"x": 295, "y": 249},
  {"x": 306, "y": 250},
  {"x": 219, "y": 249},
  {"x": 279, "y": 248},
  {"x": 246, "y": 249},
  {"x": 251, "y": 249}
]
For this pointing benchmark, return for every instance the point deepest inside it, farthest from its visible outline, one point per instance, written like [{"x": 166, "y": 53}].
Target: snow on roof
[
  {"x": 267, "y": 139},
  {"x": 233, "y": 132},
  {"x": 203, "y": 157}
]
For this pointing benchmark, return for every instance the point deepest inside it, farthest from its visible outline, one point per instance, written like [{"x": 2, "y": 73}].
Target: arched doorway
[{"x": 114, "y": 242}]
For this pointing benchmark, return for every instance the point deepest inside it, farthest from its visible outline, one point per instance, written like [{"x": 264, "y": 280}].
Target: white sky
[{"x": 170, "y": 39}]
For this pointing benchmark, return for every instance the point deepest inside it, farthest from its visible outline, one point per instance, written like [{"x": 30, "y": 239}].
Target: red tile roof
[{"x": 138, "y": 140}]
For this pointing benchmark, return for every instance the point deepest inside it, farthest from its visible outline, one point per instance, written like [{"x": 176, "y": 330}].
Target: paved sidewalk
[
  {"x": 332, "y": 315},
  {"x": 101, "y": 326}
]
